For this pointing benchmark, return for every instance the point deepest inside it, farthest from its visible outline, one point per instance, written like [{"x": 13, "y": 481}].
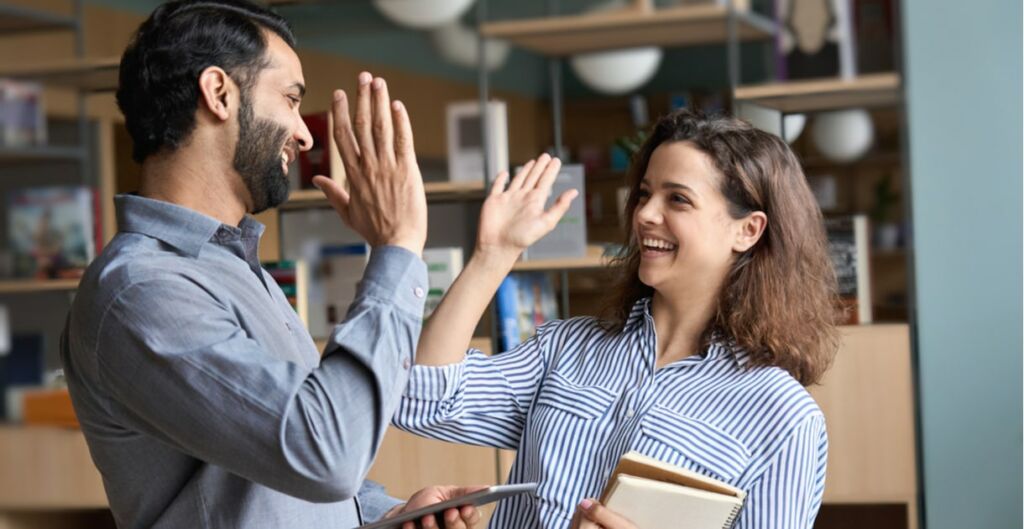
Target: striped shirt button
[{"x": 630, "y": 413}]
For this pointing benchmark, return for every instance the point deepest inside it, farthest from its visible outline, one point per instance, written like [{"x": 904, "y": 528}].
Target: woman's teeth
[{"x": 658, "y": 244}]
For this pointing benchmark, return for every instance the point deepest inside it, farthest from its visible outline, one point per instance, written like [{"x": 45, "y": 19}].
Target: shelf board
[
  {"x": 47, "y": 469},
  {"x": 824, "y": 94},
  {"x": 593, "y": 259},
  {"x": 44, "y": 153},
  {"x": 688, "y": 25},
  {"x": 91, "y": 75},
  {"x": 19, "y": 286},
  {"x": 16, "y": 19},
  {"x": 436, "y": 191}
]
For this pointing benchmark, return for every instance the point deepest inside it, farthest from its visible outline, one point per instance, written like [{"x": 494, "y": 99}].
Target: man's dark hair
[{"x": 158, "y": 91}]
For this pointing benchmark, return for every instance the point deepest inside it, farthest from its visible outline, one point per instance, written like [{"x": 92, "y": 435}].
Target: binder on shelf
[
  {"x": 443, "y": 266},
  {"x": 569, "y": 238},
  {"x": 848, "y": 242}
]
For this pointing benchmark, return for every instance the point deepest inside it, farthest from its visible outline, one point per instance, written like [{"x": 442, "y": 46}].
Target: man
[{"x": 202, "y": 397}]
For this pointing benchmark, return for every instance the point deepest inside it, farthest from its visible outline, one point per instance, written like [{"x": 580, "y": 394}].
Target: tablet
[{"x": 488, "y": 495}]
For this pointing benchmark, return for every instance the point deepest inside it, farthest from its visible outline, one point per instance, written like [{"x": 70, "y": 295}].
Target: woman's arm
[{"x": 511, "y": 220}]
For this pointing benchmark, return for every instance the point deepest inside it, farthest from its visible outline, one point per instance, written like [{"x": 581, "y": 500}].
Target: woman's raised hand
[{"x": 512, "y": 219}]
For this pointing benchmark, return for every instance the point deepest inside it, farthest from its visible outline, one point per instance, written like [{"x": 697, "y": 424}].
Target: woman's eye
[
  {"x": 643, "y": 194},
  {"x": 680, "y": 199}
]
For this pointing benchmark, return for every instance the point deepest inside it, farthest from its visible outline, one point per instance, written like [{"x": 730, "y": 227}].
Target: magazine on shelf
[
  {"x": 51, "y": 231},
  {"x": 524, "y": 301}
]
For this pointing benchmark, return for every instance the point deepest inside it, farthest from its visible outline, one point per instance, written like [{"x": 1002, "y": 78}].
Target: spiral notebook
[{"x": 654, "y": 495}]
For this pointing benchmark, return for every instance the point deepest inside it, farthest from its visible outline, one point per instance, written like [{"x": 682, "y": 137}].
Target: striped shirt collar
[{"x": 642, "y": 320}]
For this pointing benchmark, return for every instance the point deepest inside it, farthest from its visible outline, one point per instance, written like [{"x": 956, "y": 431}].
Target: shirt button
[
  {"x": 406, "y": 363},
  {"x": 630, "y": 413},
  {"x": 418, "y": 291}
]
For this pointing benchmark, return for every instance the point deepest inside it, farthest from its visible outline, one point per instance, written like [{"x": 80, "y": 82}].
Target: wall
[{"x": 963, "y": 79}]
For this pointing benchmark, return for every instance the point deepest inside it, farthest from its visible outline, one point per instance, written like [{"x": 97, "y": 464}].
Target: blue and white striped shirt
[{"x": 574, "y": 398}]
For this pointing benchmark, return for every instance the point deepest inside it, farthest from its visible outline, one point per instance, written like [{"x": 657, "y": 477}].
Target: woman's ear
[
  {"x": 749, "y": 231},
  {"x": 215, "y": 87}
]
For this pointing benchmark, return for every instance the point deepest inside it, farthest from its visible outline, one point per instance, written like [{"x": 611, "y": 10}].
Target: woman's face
[{"x": 687, "y": 237}]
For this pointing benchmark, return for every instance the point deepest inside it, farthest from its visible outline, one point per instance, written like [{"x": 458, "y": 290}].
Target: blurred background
[{"x": 906, "y": 116}]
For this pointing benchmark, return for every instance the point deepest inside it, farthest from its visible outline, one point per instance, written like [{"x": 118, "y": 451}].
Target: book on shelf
[
  {"x": 22, "y": 114},
  {"x": 524, "y": 301},
  {"x": 293, "y": 278},
  {"x": 52, "y": 231},
  {"x": 21, "y": 370},
  {"x": 654, "y": 495},
  {"x": 849, "y": 248},
  {"x": 569, "y": 238},
  {"x": 334, "y": 284},
  {"x": 443, "y": 266}
]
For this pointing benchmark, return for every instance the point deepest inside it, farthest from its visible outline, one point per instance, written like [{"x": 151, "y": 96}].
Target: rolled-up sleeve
[
  {"x": 482, "y": 400},
  {"x": 185, "y": 371}
]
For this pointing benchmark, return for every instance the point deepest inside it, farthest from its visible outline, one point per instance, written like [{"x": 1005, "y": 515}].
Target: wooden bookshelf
[
  {"x": 16, "y": 19},
  {"x": 687, "y": 25},
  {"x": 90, "y": 75},
  {"x": 20, "y": 286},
  {"x": 594, "y": 259},
  {"x": 872, "y": 90},
  {"x": 436, "y": 192},
  {"x": 47, "y": 468},
  {"x": 40, "y": 154}
]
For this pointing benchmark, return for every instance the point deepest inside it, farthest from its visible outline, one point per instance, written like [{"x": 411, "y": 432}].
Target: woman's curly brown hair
[{"x": 779, "y": 300}]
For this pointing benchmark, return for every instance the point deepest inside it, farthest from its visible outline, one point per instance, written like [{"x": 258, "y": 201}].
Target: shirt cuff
[
  {"x": 434, "y": 383},
  {"x": 397, "y": 275}
]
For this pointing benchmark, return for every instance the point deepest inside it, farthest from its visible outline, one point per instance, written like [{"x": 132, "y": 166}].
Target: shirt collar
[
  {"x": 640, "y": 317},
  {"x": 181, "y": 227}
]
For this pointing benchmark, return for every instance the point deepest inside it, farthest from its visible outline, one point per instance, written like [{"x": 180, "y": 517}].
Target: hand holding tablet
[{"x": 487, "y": 495}]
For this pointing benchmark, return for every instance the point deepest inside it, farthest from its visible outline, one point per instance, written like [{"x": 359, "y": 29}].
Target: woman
[{"x": 724, "y": 310}]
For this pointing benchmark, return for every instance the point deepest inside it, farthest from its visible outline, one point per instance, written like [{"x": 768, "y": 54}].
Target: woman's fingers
[
  {"x": 544, "y": 164},
  {"x": 498, "y": 186},
  {"x": 517, "y": 181}
]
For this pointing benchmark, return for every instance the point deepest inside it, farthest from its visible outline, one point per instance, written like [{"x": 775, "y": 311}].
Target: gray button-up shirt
[{"x": 202, "y": 397}]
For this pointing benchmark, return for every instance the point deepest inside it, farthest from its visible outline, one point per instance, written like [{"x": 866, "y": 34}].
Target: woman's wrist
[{"x": 496, "y": 258}]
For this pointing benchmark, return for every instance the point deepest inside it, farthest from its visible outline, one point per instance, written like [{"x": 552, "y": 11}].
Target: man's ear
[
  {"x": 750, "y": 230},
  {"x": 215, "y": 87}
]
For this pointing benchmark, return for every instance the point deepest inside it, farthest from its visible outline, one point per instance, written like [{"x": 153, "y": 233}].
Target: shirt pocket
[
  {"x": 586, "y": 402},
  {"x": 692, "y": 444}
]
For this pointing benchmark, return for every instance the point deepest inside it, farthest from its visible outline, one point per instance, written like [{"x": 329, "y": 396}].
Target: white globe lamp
[
  {"x": 422, "y": 14},
  {"x": 843, "y": 135},
  {"x": 619, "y": 71},
  {"x": 457, "y": 44}
]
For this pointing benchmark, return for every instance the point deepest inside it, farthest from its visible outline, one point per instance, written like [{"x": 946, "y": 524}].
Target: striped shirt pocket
[
  {"x": 693, "y": 444},
  {"x": 586, "y": 402}
]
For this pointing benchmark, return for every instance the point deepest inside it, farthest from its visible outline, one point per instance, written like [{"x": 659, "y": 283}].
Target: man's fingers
[
  {"x": 517, "y": 181},
  {"x": 383, "y": 131},
  {"x": 364, "y": 119},
  {"x": 336, "y": 194},
  {"x": 553, "y": 164},
  {"x": 498, "y": 186},
  {"x": 471, "y": 515},
  {"x": 344, "y": 137},
  {"x": 453, "y": 519},
  {"x": 404, "y": 148},
  {"x": 558, "y": 209}
]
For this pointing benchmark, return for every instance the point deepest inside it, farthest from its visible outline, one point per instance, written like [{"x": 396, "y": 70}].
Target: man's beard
[{"x": 258, "y": 158}]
